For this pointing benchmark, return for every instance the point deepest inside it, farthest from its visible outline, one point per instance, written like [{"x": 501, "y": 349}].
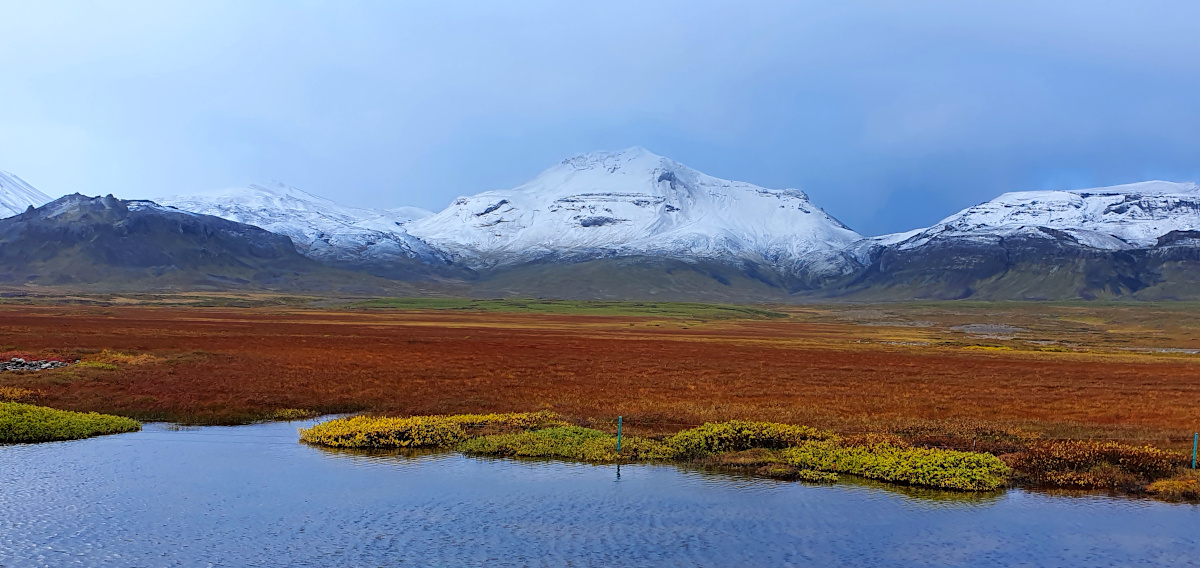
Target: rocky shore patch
[{"x": 20, "y": 364}]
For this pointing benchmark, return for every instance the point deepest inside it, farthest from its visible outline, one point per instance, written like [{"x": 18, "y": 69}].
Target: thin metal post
[
  {"x": 619, "y": 437},
  {"x": 1195, "y": 440}
]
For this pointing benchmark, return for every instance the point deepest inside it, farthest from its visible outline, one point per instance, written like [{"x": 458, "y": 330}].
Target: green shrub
[
  {"x": 946, "y": 469},
  {"x": 26, "y": 423},
  {"x": 738, "y": 435},
  {"x": 419, "y": 431}
]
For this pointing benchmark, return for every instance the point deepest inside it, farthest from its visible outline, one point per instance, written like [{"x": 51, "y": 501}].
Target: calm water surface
[{"x": 253, "y": 496}]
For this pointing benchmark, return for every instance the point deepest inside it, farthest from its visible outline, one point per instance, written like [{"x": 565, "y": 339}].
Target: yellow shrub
[
  {"x": 16, "y": 394},
  {"x": 419, "y": 431}
]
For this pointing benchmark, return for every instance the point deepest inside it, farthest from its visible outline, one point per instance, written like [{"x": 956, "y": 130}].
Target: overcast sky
[{"x": 891, "y": 115}]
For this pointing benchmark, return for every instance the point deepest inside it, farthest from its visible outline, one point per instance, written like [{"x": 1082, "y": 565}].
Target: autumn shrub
[
  {"x": 965, "y": 434},
  {"x": 567, "y": 442},
  {"x": 1182, "y": 487},
  {"x": 419, "y": 431},
  {"x": 737, "y": 435},
  {"x": 17, "y": 394},
  {"x": 947, "y": 469},
  {"x": 1094, "y": 465},
  {"x": 26, "y": 423},
  {"x": 290, "y": 414},
  {"x": 792, "y": 473},
  {"x": 745, "y": 458},
  {"x": 96, "y": 365},
  {"x": 117, "y": 357}
]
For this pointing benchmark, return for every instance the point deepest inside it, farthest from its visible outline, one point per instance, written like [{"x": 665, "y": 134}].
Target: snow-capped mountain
[
  {"x": 635, "y": 203},
  {"x": 1118, "y": 217},
  {"x": 16, "y": 195},
  {"x": 321, "y": 229},
  {"x": 1090, "y": 243}
]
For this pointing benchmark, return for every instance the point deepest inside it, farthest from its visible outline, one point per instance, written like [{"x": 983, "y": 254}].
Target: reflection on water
[
  {"x": 928, "y": 496},
  {"x": 252, "y": 495}
]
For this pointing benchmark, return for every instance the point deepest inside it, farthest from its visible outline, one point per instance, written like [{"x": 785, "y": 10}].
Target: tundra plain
[{"x": 951, "y": 374}]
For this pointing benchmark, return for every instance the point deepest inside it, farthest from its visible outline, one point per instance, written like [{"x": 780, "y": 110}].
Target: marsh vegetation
[
  {"x": 786, "y": 451},
  {"x": 905, "y": 377}
]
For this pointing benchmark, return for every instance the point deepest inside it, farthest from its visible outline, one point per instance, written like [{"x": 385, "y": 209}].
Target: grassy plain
[{"x": 960, "y": 375}]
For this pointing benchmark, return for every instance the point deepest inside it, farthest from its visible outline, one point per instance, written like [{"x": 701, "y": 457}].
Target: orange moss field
[{"x": 849, "y": 369}]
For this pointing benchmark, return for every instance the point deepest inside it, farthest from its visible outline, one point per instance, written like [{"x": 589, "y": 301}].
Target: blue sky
[{"x": 891, "y": 115}]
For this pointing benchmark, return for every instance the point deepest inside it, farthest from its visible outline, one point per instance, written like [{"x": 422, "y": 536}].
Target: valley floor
[{"x": 956, "y": 374}]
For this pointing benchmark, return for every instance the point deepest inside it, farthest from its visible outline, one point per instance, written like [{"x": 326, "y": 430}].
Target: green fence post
[
  {"x": 1195, "y": 440},
  {"x": 619, "y": 437}
]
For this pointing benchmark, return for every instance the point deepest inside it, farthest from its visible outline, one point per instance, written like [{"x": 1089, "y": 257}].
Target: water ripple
[{"x": 254, "y": 496}]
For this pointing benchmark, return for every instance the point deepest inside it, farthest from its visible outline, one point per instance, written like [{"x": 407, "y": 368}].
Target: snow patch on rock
[{"x": 320, "y": 228}]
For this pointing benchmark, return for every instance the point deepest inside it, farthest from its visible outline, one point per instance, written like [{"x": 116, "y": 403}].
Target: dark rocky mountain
[
  {"x": 108, "y": 243},
  {"x": 1132, "y": 241}
]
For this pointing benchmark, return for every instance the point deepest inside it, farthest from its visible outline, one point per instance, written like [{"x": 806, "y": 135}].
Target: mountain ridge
[{"x": 606, "y": 223}]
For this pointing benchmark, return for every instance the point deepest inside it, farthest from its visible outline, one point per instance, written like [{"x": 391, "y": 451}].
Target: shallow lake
[{"x": 254, "y": 496}]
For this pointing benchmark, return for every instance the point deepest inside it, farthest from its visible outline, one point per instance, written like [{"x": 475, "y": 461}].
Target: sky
[{"x": 890, "y": 115}]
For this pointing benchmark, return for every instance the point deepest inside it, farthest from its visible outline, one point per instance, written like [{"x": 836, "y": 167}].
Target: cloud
[{"x": 874, "y": 108}]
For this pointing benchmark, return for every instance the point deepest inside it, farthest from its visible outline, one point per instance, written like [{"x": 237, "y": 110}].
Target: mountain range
[{"x": 634, "y": 225}]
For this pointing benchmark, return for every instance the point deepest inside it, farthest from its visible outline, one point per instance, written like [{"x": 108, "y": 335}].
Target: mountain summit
[
  {"x": 1134, "y": 240},
  {"x": 635, "y": 203},
  {"x": 1117, "y": 217}
]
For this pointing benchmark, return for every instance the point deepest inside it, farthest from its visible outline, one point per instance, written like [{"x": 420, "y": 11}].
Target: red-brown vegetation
[{"x": 230, "y": 364}]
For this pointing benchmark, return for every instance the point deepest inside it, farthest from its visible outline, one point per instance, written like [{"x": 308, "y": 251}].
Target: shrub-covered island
[
  {"x": 27, "y": 423},
  {"x": 776, "y": 450}
]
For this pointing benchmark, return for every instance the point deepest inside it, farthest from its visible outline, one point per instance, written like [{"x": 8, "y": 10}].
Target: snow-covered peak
[
  {"x": 634, "y": 202},
  {"x": 319, "y": 227},
  {"x": 1116, "y": 217},
  {"x": 272, "y": 196},
  {"x": 410, "y": 213},
  {"x": 16, "y": 195}
]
